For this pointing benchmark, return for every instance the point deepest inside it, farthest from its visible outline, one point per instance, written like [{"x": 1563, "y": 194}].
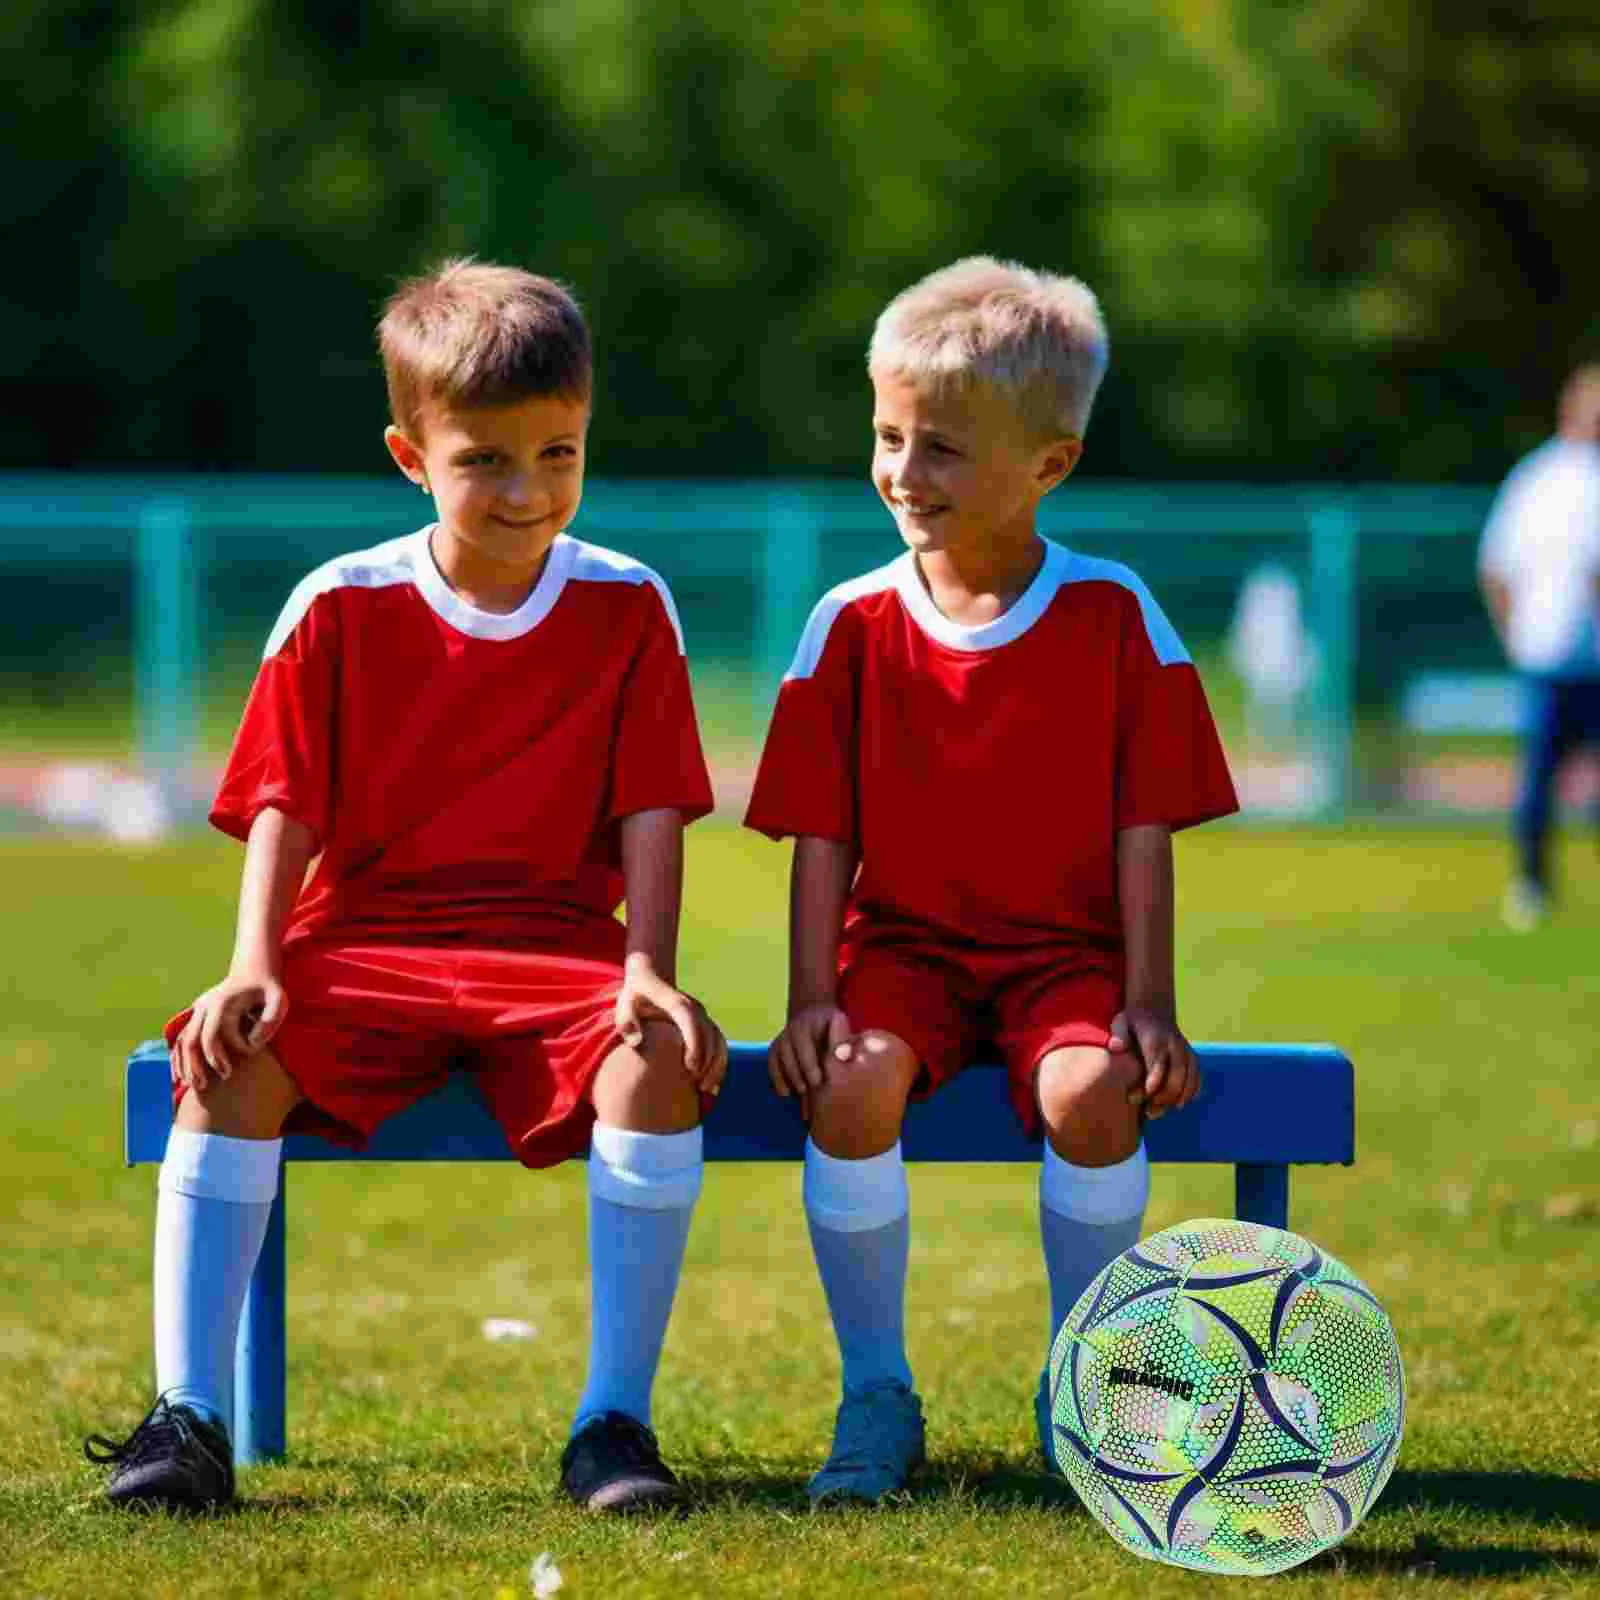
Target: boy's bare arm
[
  {"x": 819, "y": 886},
  {"x": 1149, "y": 1016},
  {"x": 652, "y": 875},
  {"x": 238, "y": 1016}
]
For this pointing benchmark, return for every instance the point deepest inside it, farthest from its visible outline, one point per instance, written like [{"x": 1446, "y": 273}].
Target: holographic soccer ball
[{"x": 1227, "y": 1397}]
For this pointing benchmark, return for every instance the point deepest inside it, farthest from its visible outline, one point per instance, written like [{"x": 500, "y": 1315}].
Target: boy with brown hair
[
  {"x": 981, "y": 752},
  {"x": 482, "y": 735}
]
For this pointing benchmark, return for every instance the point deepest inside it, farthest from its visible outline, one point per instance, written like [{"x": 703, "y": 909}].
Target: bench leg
[
  {"x": 1261, "y": 1193},
  {"x": 258, "y": 1360}
]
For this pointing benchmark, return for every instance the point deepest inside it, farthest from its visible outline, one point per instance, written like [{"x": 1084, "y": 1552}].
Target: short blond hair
[
  {"x": 1036, "y": 337},
  {"x": 473, "y": 334}
]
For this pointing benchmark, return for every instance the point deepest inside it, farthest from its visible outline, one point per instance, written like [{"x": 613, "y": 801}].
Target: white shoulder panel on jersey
[
  {"x": 1163, "y": 636},
  {"x": 814, "y": 638},
  {"x": 593, "y": 563},
  {"x": 378, "y": 568}
]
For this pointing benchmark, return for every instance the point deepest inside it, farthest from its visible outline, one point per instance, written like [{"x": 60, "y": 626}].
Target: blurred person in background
[{"x": 1539, "y": 569}]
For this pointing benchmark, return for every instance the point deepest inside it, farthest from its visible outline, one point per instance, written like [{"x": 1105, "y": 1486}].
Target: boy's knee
[
  {"x": 862, "y": 1098},
  {"x": 252, "y": 1102},
  {"x": 1083, "y": 1102},
  {"x": 878, "y": 1071},
  {"x": 647, "y": 1087},
  {"x": 660, "y": 1051}
]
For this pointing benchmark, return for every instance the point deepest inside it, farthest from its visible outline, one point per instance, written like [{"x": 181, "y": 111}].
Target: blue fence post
[
  {"x": 791, "y": 580},
  {"x": 1334, "y": 534},
  {"x": 260, "y": 1377},
  {"x": 166, "y": 617}
]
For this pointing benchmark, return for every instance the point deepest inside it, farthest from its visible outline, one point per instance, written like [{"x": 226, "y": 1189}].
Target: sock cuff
[
  {"x": 211, "y": 1166},
  {"x": 648, "y": 1171},
  {"x": 853, "y": 1196},
  {"x": 1095, "y": 1194}
]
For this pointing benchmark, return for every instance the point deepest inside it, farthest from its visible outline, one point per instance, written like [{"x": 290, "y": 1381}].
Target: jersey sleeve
[
  {"x": 656, "y": 761},
  {"x": 1170, "y": 764},
  {"x": 806, "y": 782},
  {"x": 282, "y": 755}
]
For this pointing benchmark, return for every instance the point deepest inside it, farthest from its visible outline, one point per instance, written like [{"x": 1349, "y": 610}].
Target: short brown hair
[{"x": 470, "y": 333}]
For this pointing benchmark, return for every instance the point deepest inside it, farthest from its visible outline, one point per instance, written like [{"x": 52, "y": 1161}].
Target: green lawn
[{"x": 423, "y": 1455}]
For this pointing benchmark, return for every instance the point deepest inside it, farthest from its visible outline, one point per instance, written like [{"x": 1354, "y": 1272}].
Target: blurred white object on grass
[
  {"x": 1268, "y": 644},
  {"x": 1277, "y": 660},
  {"x": 498, "y": 1328},
  {"x": 92, "y": 794},
  {"x": 136, "y": 811}
]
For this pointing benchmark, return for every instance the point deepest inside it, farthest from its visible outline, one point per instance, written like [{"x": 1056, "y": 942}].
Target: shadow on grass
[
  {"x": 989, "y": 1482},
  {"x": 1430, "y": 1558},
  {"x": 1531, "y": 1496},
  {"x": 994, "y": 1483},
  {"x": 736, "y": 1488},
  {"x": 713, "y": 1491},
  {"x": 1540, "y": 1496}
]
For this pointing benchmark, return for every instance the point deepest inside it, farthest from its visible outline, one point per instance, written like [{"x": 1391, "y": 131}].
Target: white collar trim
[
  {"x": 1011, "y": 624},
  {"x": 467, "y": 618}
]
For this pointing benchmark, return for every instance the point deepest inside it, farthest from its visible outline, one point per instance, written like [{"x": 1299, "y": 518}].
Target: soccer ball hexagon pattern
[{"x": 1227, "y": 1397}]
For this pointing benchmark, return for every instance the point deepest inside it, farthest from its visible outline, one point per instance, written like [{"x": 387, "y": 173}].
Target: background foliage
[{"x": 1340, "y": 237}]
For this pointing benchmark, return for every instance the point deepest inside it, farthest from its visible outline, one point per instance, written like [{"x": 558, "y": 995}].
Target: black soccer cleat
[
  {"x": 613, "y": 1463},
  {"x": 177, "y": 1459}
]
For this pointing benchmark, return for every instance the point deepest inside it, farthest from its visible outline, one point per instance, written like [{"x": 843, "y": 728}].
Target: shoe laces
[{"x": 164, "y": 1427}]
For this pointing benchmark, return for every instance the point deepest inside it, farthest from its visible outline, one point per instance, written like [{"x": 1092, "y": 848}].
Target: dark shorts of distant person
[{"x": 1560, "y": 715}]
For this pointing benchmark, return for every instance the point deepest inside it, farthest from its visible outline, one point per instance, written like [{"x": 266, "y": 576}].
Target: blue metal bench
[{"x": 1263, "y": 1107}]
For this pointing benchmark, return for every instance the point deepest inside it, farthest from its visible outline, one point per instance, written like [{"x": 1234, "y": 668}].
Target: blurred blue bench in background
[
  {"x": 1262, "y": 1107},
  {"x": 1461, "y": 702}
]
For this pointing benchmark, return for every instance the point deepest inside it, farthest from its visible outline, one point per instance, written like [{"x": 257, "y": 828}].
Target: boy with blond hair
[
  {"x": 981, "y": 752},
  {"x": 482, "y": 735}
]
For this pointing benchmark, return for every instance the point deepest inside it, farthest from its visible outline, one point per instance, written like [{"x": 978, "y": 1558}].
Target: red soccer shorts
[
  {"x": 374, "y": 1027},
  {"x": 957, "y": 1004}
]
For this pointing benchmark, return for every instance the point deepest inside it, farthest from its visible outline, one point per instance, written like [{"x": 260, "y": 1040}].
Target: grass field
[{"x": 424, "y": 1456}]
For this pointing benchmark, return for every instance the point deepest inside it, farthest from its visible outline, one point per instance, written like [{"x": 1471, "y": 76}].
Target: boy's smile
[
  {"x": 505, "y": 480},
  {"x": 957, "y": 471}
]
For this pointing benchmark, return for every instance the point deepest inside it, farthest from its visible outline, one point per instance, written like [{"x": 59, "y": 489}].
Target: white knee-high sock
[
  {"x": 642, "y": 1189},
  {"x": 215, "y": 1198},
  {"x": 859, "y": 1214},
  {"x": 1087, "y": 1215}
]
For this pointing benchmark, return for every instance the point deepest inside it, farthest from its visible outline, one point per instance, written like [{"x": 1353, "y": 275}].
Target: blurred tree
[
  {"x": 1335, "y": 238},
  {"x": 1457, "y": 215},
  {"x": 65, "y": 183}
]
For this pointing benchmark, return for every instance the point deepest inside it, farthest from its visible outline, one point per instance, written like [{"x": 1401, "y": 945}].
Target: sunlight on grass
[{"x": 423, "y": 1455}]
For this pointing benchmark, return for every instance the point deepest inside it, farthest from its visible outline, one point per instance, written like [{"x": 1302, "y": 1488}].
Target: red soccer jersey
[
  {"x": 462, "y": 770},
  {"x": 984, "y": 773}
]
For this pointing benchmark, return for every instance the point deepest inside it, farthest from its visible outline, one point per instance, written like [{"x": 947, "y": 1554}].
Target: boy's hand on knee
[
  {"x": 228, "y": 1024},
  {"x": 645, "y": 996},
  {"x": 1153, "y": 1038},
  {"x": 797, "y": 1060}
]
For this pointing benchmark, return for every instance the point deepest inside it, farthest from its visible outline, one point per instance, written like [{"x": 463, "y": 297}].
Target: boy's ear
[
  {"x": 406, "y": 455},
  {"x": 1057, "y": 460}
]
